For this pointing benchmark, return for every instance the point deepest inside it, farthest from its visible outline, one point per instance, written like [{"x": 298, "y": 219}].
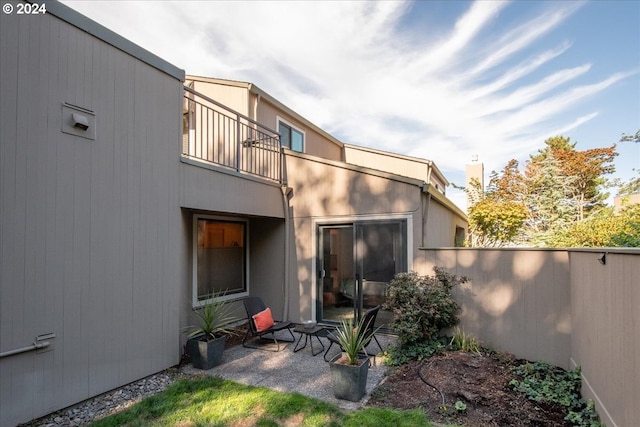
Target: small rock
[{"x": 106, "y": 404}]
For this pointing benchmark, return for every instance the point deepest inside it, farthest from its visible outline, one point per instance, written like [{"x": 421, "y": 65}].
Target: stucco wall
[
  {"x": 517, "y": 300},
  {"x": 326, "y": 192}
]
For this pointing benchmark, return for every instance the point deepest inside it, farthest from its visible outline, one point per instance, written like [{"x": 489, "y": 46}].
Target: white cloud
[{"x": 480, "y": 88}]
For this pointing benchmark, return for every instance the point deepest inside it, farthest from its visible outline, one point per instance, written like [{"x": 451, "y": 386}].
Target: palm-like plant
[
  {"x": 353, "y": 338},
  {"x": 214, "y": 317}
]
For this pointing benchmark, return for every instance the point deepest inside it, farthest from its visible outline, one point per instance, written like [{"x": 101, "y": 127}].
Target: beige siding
[
  {"x": 233, "y": 96},
  {"x": 606, "y": 338},
  {"x": 267, "y": 263},
  {"x": 394, "y": 163},
  {"x": 89, "y": 229},
  {"x": 315, "y": 143},
  {"x": 516, "y": 300},
  {"x": 208, "y": 188},
  {"x": 441, "y": 226}
]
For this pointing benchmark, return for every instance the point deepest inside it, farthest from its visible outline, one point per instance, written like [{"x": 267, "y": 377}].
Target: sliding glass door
[{"x": 356, "y": 261}]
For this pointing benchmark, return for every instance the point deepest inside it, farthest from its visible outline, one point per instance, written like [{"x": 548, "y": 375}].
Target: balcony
[{"x": 220, "y": 136}]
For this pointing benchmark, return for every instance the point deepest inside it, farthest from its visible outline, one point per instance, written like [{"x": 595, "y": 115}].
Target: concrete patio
[{"x": 287, "y": 371}]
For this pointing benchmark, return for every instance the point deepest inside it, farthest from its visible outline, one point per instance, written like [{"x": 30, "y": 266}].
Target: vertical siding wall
[
  {"x": 516, "y": 300},
  {"x": 441, "y": 225},
  {"x": 563, "y": 307},
  {"x": 89, "y": 230},
  {"x": 605, "y": 307}
]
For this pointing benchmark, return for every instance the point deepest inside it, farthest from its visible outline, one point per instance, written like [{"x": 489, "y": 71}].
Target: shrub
[
  {"x": 399, "y": 354},
  {"x": 423, "y": 305}
]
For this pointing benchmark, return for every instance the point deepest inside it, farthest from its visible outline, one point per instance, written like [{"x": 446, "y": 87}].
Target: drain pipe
[
  {"x": 426, "y": 201},
  {"x": 286, "y": 196}
]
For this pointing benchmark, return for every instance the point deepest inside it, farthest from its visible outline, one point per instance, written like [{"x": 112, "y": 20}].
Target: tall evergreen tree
[
  {"x": 559, "y": 187},
  {"x": 586, "y": 171}
]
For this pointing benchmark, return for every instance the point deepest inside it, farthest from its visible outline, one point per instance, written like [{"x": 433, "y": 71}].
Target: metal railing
[{"x": 216, "y": 134}]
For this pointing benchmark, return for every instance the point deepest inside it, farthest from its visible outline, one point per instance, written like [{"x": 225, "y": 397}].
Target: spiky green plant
[
  {"x": 353, "y": 337},
  {"x": 214, "y": 317}
]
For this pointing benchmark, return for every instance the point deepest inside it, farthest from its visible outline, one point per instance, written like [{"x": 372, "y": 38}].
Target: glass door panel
[
  {"x": 337, "y": 297},
  {"x": 356, "y": 262},
  {"x": 380, "y": 254}
]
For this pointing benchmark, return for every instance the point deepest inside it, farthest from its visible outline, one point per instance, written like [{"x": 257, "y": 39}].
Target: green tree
[
  {"x": 547, "y": 206},
  {"x": 603, "y": 229},
  {"x": 631, "y": 138},
  {"x": 497, "y": 215},
  {"x": 586, "y": 170},
  {"x": 559, "y": 187},
  {"x": 495, "y": 223},
  {"x": 628, "y": 188},
  {"x": 633, "y": 185}
]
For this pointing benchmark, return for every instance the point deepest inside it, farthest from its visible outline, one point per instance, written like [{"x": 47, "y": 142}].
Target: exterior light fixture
[{"x": 602, "y": 258}]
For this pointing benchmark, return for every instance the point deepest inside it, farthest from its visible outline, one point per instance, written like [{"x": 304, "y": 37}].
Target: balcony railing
[{"x": 218, "y": 135}]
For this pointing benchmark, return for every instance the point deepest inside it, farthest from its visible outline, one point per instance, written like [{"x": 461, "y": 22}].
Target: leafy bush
[
  {"x": 399, "y": 354},
  {"x": 542, "y": 382},
  {"x": 423, "y": 305}
]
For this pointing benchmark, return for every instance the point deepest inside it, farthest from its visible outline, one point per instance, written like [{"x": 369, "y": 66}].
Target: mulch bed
[{"x": 480, "y": 382}]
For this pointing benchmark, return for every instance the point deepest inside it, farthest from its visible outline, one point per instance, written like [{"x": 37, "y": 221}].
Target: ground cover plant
[
  {"x": 486, "y": 389},
  {"x": 212, "y": 401},
  {"x": 455, "y": 380},
  {"x": 545, "y": 383}
]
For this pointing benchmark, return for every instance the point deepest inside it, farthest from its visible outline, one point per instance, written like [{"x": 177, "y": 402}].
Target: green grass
[{"x": 212, "y": 401}]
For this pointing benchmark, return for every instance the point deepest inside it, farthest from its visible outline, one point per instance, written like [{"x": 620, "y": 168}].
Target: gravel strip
[{"x": 108, "y": 403}]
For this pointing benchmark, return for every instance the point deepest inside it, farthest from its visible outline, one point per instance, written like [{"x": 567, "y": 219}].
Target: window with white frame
[
  {"x": 220, "y": 258},
  {"x": 290, "y": 137}
]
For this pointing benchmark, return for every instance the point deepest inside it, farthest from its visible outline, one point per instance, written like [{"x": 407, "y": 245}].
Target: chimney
[{"x": 474, "y": 171}]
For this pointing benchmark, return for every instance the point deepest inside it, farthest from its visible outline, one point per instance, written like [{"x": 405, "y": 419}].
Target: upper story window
[{"x": 290, "y": 137}]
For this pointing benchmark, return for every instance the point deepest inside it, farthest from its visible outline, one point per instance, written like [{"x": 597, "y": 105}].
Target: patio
[{"x": 292, "y": 372}]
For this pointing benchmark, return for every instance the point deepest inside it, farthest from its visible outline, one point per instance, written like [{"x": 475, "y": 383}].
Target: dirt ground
[{"x": 480, "y": 382}]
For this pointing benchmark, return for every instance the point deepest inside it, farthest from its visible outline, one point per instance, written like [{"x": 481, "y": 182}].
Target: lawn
[{"x": 213, "y": 401}]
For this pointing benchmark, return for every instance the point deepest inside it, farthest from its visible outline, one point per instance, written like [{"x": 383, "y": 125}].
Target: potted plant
[
  {"x": 207, "y": 339},
  {"x": 349, "y": 370}
]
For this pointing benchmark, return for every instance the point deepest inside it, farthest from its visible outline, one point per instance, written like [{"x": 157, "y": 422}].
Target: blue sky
[{"x": 439, "y": 80}]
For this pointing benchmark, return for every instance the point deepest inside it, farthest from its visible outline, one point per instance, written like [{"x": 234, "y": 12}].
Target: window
[
  {"x": 220, "y": 258},
  {"x": 290, "y": 137}
]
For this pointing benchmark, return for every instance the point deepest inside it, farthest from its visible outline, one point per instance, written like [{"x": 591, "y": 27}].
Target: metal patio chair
[
  {"x": 253, "y": 306},
  {"x": 369, "y": 321}
]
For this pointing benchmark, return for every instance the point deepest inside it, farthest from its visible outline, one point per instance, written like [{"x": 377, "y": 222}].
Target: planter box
[
  {"x": 206, "y": 354},
  {"x": 349, "y": 381}
]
